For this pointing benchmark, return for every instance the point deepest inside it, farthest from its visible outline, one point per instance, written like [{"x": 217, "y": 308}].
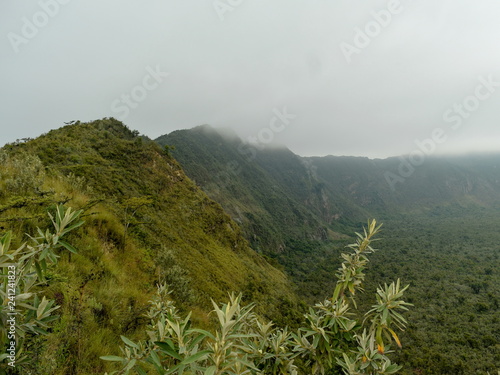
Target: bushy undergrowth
[
  {"x": 146, "y": 222},
  {"x": 23, "y": 271},
  {"x": 333, "y": 339}
]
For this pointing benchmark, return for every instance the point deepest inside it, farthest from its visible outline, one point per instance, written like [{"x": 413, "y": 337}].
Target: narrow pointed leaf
[{"x": 129, "y": 342}]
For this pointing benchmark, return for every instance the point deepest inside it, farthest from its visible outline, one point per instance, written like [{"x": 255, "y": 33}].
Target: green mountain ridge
[
  {"x": 219, "y": 167},
  {"x": 210, "y": 214},
  {"x": 322, "y": 195},
  {"x": 145, "y": 223},
  {"x": 440, "y": 232}
]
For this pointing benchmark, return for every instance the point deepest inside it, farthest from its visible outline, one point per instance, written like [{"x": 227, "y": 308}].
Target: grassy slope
[
  {"x": 440, "y": 235},
  {"x": 124, "y": 246},
  {"x": 268, "y": 191}
]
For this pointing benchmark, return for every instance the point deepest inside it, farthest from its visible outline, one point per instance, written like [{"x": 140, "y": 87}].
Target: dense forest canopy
[
  {"x": 440, "y": 233},
  {"x": 208, "y": 214}
]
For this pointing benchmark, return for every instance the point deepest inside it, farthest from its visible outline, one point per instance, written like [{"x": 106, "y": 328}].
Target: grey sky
[{"x": 241, "y": 65}]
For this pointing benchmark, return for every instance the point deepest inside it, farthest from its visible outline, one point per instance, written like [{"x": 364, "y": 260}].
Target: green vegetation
[
  {"x": 145, "y": 223},
  {"x": 242, "y": 343},
  {"x": 451, "y": 258},
  {"x": 268, "y": 212},
  {"x": 441, "y": 227},
  {"x": 148, "y": 224},
  {"x": 24, "y": 270}
]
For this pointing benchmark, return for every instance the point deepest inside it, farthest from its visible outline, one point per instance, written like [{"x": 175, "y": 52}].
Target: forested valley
[
  {"x": 440, "y": 234},
  {"x": 203, "y": 213}
]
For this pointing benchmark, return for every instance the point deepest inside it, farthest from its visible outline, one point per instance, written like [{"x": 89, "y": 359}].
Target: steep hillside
[
  {"x": 440, "y": 233},
  {"x": 395, "y": 185},
  {"x": 271, "y": 191},
  {"x": 145, "y": 222},
  {"x": 325, "y": 193},
  {"x": 268, "y": 205}
]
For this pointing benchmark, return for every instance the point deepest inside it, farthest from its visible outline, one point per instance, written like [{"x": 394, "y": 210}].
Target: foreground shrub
[
  {"x": 332, "y": 340},
  {"x": 23, "y": 312}
]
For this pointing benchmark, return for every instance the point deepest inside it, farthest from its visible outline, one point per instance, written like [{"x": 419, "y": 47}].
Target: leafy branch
[
  {"x": 331, "y": 339},
  {"x": 24, "y": 269}
]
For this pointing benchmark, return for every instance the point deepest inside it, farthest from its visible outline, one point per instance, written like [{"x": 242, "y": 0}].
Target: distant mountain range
[
  {"x": 441, "y": 217},
  {"x": 209, "y": 214},
  {"x": 276, "y": 194}
]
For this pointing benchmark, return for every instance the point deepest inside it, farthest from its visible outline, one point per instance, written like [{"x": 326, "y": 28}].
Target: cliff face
[
  {"x": 440, "y": 232},
  {"x": 276, "y": 194}
]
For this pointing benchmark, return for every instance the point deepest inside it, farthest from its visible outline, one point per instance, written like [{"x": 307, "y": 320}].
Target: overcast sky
[{"x": 341, "y": 77}]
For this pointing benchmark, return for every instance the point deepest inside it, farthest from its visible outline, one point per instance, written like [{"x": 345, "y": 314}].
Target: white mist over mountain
[{"x": 370, "y": 78}]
